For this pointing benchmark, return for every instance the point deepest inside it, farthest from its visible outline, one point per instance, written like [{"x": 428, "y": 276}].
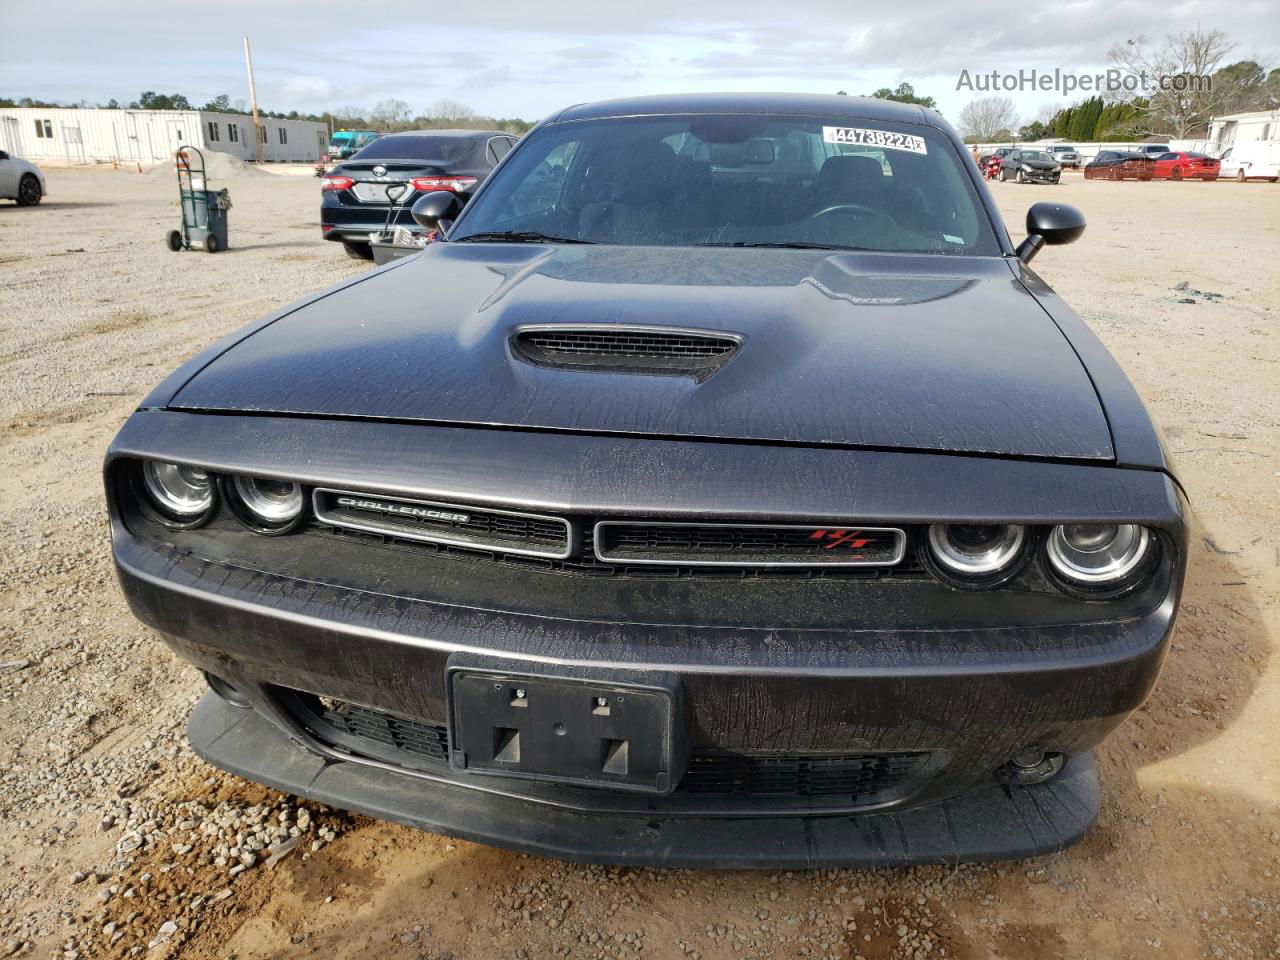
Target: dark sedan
[
  {"x": 394, "y": 170},
  {"x": 725, "y": 489},
  {"x": 1120, "y": 165},
  {"x": 1030, "y": 166}
]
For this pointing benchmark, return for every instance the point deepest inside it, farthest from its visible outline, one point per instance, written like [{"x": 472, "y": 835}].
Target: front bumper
[
  {"x": 969, "y": 698},
  {"x": 984, "y": 825}
]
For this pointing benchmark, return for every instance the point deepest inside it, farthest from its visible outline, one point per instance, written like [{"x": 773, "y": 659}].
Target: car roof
[
  {"x": 803, "y": 104},
  {"x": 446, "y": 133}
]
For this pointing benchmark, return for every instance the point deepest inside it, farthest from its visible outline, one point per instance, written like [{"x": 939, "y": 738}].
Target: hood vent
[{"x": 627, "y": 349}]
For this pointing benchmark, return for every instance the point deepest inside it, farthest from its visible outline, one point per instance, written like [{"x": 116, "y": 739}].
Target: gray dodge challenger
[{"x": 722, "y": 488}]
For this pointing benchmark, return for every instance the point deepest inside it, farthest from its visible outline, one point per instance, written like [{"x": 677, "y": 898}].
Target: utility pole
[{"x": 253, "y": 99}]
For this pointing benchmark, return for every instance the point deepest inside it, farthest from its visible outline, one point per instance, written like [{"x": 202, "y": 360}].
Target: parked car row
[{"x": 1150, "y": 161}]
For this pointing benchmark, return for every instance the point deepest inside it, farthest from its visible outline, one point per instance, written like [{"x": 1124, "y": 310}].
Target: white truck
[{"x": 1253, "y": 160}]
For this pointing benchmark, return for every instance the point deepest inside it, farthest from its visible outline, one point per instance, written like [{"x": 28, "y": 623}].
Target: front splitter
[{"x": 993, "y": 824}]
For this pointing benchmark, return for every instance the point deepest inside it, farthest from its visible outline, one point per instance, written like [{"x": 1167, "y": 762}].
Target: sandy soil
[{"x": 115, "y": 838}]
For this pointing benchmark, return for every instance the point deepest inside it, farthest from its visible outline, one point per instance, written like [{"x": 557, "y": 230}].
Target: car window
[
  {"x": 442, "y": 150},
  {"x": 1227, "y": 153},
  {"x": 540, "y": 191},
  {"x": 737, "y": 180},
  {"x": 1168, "y": 156},
  {"x": 497, "y": 148},
  {"x": 1036, "y": 155}
]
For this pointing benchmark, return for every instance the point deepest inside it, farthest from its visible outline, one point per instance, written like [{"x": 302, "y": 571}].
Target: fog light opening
[
  {"x": 1031, "y": 765},
  {"x": 226, "y": 691}
]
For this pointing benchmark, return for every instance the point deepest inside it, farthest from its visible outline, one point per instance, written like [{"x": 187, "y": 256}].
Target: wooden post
[{"x": 253, "y": 100}]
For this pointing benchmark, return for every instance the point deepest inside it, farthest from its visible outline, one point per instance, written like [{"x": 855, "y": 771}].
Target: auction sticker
[{"x": 874, "y": 138}]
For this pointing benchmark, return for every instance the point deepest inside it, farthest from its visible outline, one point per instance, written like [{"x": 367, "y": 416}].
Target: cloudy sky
[{"x": 526, "y": 59}]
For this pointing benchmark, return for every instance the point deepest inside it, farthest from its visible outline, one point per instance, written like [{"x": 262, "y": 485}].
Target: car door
[
  {"x": 8, "y": 175},
  {"x": 1229, "y": 166}
]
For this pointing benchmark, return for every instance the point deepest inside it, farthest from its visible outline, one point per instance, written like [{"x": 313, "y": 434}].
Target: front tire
[
  {"x": 29, "y": 192},
  {"x": 357, "y": 251},
  {"x": 1020, "y": 177},
  {"x": 1240, "y": 177},
  {"x": 1177, "y": 174}
]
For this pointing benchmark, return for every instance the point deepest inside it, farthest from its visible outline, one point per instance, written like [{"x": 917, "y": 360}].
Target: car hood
[
  {"x": 1041, "y": 164},
  {"x": 878, "y": 350}
]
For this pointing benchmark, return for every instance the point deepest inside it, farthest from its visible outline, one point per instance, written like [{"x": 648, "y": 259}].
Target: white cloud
[{"x": 305, "y": 89}]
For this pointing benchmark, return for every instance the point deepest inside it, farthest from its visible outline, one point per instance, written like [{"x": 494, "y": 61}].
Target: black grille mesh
[
  {"x": 427, "y": 741},
  {"x": 689, "y": 543},
  {"x": 865, "y": 776},
  {"x": 855, "y": 778},
  {"x": 629, "y": 343}
]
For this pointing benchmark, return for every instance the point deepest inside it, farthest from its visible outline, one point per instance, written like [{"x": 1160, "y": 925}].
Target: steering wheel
[{"x": 853, "y": 208}]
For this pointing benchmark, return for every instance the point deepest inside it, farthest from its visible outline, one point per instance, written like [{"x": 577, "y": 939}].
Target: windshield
[
  {"x": 410, "y": 147},
  {"x": 735, "y": 180},
  {"x": 1036, "y": 155}
]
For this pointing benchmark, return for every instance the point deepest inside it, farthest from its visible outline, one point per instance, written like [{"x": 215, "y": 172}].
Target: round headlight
[
  {"x": 978, "y": 553},
  {"x": 180, "y": 491},
  {"x": 269, "y": 502},
  {"x": 1100, "y": 555}
]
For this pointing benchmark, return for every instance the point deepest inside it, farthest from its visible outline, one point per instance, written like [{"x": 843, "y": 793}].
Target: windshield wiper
[
  {"x": 780, "y": 244},
  {"x": 518, "y": 236}
]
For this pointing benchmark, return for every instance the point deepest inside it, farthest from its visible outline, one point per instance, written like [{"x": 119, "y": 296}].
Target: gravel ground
[{"x": 118, "y": 842}]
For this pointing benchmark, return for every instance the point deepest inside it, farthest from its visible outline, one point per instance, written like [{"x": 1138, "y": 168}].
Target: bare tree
[
  {"x": 390, "y": 114},
  {"x": 1178, "y": 78},
  {"x": 987, "y": 117},
  {"x": 1046, "y": 112},
  {"x": 449, "y": 111}
]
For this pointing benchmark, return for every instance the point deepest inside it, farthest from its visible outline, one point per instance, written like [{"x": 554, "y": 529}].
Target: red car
[{"x": 1180, "y": 165}]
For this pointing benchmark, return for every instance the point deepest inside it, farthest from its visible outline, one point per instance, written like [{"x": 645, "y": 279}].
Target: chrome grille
[{"x": 483, "y": 528}]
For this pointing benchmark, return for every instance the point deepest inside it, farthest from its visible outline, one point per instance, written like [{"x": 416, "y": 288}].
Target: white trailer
[{"x": 72, "y": 135}]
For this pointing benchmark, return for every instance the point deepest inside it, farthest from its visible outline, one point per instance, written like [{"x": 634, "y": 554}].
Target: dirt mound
[{"x": 217, "y": 166}]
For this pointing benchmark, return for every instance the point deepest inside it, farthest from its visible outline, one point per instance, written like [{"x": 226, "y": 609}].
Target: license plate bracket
[{"x": 595, "y": 728}]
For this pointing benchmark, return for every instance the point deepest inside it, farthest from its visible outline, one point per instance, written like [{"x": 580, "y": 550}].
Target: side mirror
[
  {"x": 438, "y": 205},
  {"x": 1049, "y": 223}
]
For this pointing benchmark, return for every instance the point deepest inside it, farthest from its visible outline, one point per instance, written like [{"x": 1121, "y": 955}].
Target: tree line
[
  {"x": 1181, "y": 109},
  {"x": 387, "y": 116}
]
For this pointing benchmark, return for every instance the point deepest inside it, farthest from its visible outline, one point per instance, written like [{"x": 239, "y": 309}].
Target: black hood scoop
[{"x": 613, "y": 348}]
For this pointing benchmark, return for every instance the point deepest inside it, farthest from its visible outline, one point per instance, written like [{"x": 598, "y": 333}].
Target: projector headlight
[
  {"x": 1100, "y": 557},
  {"x": 976, "y": 555},
  {"x": 266, "y": 504},
  {"x": 181, "y": 493}
]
